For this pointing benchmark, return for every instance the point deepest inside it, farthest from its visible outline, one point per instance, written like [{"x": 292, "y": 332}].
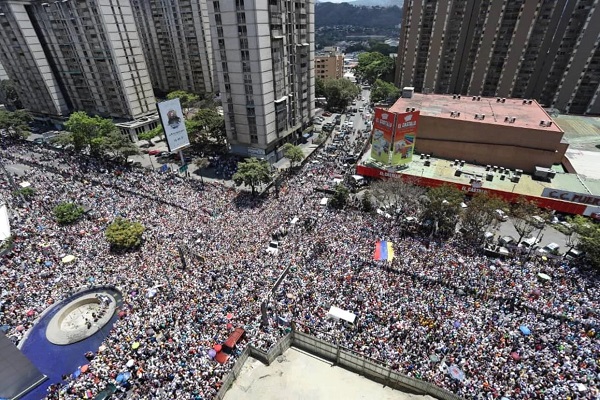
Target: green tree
[
  {"x": 119, "y": 145},
  {"x": 398, "y": 194},
  {"x": 123, "y": 234},
  {"x": 26, "y": 192},
  {"x": 15, "y": 123},
  {"x": 340, "y": 197},
  {"x": 252, "y": 172},
  {"x": 442, "y": 209},
  {"x": 67, "y": 213},
  {"x": 479, "y": 215},
  {"x": 293, "y": 153},
  {"x": 521, "y": 212},
  {"x": 8, "y": 94},
  {"x": 340, "y": 92},
  {"x": 588, "y": 239},
  {"x": 208, "y": 126},
  {"x": 187, "y": 100},
  {"x": 320, "y": 88},
  {"x": 149, "y": 135},
  {"x": 366, "y": 202},
  {"x": 84, "y": 130},
  {"x": 374, "y": 65},
  {"x": 384, "y": 91}
]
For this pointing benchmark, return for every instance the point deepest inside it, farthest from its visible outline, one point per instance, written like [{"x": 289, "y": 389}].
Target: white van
[{"x": 528, "y": 242}]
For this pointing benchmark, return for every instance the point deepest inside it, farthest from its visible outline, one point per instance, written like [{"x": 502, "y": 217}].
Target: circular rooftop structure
[{"x": 81, "y": 318}]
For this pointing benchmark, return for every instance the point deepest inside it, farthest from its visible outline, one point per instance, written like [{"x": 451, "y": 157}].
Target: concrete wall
[
  {"x": 509, "y": 146},
  {"x": 342, "y": 357}
]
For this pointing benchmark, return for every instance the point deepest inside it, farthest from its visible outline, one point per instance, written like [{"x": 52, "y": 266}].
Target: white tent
[
  {"x": 339, "y": 314},
  {"x": 4, "y": 223}
]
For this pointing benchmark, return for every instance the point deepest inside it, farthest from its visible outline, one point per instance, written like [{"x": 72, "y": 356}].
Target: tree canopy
[
  {"x": 441, "y": 210},
  {"x": 374, "y": 65},
  {"x": 98, "y": 134},
  {"x": 67, "y": 213},
  {"x": 588, "y": 239},
  {"x": 252, "y": 172},
  {"x": 15, "y": 123},
  {"x": 339, "y": 93},
  {"x": 8, "y": 94},
  {"x": 187, "y": 100},
  {"x": 479, "y": 215},
  {"x": 521, "y": 212},
  {"x": 293, "y": 153},
  {"x": 123, "y": 234},
  {"x": 384, "y": 92},
  {"x": 340, "y": 197}
]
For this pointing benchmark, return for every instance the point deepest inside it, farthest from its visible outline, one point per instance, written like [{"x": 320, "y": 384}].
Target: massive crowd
[{"x": 432, "y": 307}]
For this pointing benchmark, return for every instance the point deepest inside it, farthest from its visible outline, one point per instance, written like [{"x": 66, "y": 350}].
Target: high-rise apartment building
[
  {"x": 75, "y": 55},
  {"x": 542, "y": 49},
  {"x": 263, "y": 52},
  {"x": 3, "y": 75},
  {"x": 175, "y": 37},
  {"x": 329, "y": 65}
]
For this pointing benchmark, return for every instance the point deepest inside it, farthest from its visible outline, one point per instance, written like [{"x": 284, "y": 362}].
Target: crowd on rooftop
[{"x": 435, "y": 305}]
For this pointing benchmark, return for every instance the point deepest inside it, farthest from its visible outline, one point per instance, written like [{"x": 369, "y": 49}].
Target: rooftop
[
  {"x": 494, "y": 109},
  {"x": 445, "y": 170},
  {"x": 583, "y": 135}
]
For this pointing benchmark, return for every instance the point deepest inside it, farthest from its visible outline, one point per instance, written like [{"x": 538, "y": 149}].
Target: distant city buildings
[
  {"x": 329, "y": 64},
  {"x": 175, "y": 37},
  {"x": 69, "y": 55},
  {"x": 547, "y": 50},
  {"x": 264, "y": 58}
]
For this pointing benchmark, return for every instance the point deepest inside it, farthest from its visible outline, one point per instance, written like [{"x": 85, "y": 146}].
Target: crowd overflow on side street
[{"x": 436, "y": 304}]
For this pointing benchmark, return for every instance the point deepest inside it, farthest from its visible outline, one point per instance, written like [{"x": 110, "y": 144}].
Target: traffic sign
[{"x": 183, "y": 168}]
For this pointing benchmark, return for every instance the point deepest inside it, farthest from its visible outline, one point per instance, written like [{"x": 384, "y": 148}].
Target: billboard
[
  {"x": 173, "y": 124},
  {"x": 404, "y": 137},
  {"x": 383, "y": 129},
  {"x": 575, "y": 197}
]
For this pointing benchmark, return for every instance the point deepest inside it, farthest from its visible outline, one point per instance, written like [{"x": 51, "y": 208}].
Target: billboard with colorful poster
[
  {"x": 404, "y": 137},
  {"x": 173, "y": 124},
  {"x": 383, "y": 129}
]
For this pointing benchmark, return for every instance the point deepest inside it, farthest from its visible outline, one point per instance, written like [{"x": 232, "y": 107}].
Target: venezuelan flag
[{"x": 384, "y": 251}]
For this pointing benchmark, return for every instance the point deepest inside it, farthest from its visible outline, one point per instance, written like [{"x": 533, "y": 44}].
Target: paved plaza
[{"x": 297, "y": 375}]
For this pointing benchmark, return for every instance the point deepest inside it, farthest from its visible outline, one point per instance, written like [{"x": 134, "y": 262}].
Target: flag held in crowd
[{"x": 384, "y": 251}]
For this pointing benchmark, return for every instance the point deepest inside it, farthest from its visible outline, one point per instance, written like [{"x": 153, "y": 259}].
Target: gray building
[
  {"x": 75, "y": 55},
  {"x": 542, "y": 49},
  {"x": 175, "y": 37},
  {"x": 3, "y": 75},
  {"x": 264, "y": 58}
]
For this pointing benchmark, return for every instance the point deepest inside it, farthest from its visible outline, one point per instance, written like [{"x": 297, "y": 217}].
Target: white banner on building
[{"x": 173, "y": 124}]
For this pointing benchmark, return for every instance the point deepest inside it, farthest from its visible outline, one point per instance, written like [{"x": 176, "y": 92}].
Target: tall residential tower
[
  {"x": 543, "y": 49},
  {"x": 75, "y": 55},
  {"x": 264, "y": 57},
  {"x": 175, "y": 37}
]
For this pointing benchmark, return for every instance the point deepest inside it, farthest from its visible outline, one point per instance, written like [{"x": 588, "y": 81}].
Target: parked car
[
  {"x": 154, "y": 152},
  {"x": 327, "y": 114},
  {"x": 538, "y": 221},
  {"x": 500, "y": 215}
]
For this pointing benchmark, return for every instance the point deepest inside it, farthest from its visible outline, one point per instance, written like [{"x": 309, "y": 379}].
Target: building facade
[
  {"x": 70, "y": 55},
  {"x": 175, "y": 37},
  {"x": 547, "y": 50},
  {"x": 3, "y": 75},
  {"x": 264, "y": 58},
  {"x": 329, "y": 65},
  {"x": 509, "y": 133}
]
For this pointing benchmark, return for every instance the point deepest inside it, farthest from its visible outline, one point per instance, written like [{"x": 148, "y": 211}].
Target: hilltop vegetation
[{"x": 331, "y": 14}]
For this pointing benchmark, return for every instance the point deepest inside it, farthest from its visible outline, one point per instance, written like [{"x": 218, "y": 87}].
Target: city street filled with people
[{"x": 511, "y": 334}]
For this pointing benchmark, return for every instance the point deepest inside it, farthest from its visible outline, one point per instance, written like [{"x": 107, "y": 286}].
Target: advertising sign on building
[
  {"x": 582, "y": 198},
  {"x": 383, "y": 130},
  {"x": 173, "y": 124},
  {"x": 404, "y": 137}
]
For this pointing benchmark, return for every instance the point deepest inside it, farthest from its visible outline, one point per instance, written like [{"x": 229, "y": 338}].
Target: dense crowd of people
[{"x": 433, "y": 306}]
